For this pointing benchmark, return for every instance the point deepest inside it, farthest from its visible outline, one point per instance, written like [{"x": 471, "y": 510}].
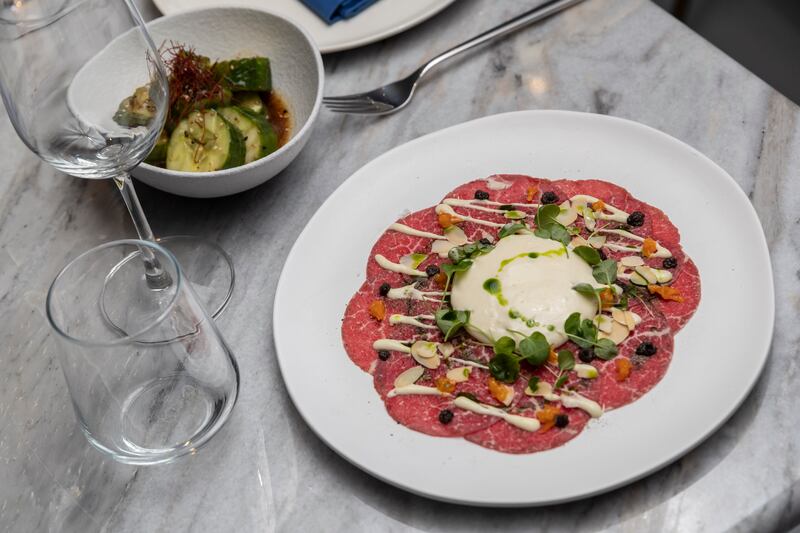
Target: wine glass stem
[{"x": 157, "y": 277}]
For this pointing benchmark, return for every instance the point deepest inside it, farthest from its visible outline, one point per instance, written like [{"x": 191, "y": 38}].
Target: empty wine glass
[{"x": 65, "y": 65}]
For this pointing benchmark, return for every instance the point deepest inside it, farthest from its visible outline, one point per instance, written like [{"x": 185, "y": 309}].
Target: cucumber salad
[{"x": 221, "y": 114}]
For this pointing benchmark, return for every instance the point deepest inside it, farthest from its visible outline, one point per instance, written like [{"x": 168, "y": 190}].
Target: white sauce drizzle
[
  {"x": 468, "y": 363},
  {"x": 410, "y": 292},
  {"x": 408, "y": 230},
  {"x": 391, "y": 344},
  {"x": 397, "y": 267},
  {"x": 412, "y": 320},
  {"x": 522, "y": 422},
  {"x": 660, "y": 250},
  {"x": 569, "y": 399},
  {"x": 575, "y": 400},
  {"x": 444, "y": 208},
  {"x": 615, "y": 214},
  {"x": 416, "y": 389},
  {"x": 460, "y": 202}
]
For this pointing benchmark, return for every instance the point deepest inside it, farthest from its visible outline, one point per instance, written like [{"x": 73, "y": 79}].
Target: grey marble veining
[{"x": 267, "y": 471}]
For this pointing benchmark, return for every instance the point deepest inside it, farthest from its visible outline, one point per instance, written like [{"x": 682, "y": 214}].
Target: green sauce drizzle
[
  {"x": 493, "y": 287},
  {"x": 532, "y": 255}
]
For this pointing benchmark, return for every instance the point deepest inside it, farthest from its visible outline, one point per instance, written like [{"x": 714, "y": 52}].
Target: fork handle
[{"x": 529, "y": 17}]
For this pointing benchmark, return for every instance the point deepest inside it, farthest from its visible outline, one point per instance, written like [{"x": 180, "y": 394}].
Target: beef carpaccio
[{"x": 519, "y": 308}]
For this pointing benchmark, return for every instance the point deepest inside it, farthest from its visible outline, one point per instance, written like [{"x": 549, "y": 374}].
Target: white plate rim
[
  {"x": 764, "y": 344},
  {"x": 433, "y": 8}
]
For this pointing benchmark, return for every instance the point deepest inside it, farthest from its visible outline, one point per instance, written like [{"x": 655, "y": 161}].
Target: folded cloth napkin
[{"x": 332, "y": 10}]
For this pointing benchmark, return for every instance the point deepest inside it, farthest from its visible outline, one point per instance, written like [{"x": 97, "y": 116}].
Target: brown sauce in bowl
[{"x": 278, "y": 115}]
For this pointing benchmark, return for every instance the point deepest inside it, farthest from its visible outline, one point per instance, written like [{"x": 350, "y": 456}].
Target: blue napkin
[{"x": 333, "y": 10}]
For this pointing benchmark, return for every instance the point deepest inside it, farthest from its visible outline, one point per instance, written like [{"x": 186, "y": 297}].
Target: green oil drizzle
[
  {"x": 516, "y": 315},
  {"x": 533, "y": 255},
  {"x": 493, "y": 287}
]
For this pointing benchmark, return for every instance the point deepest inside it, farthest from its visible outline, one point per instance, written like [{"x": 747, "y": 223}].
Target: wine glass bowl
[{"x": 63, "y": 109}]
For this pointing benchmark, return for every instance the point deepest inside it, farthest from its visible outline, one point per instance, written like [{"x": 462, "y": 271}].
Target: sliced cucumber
[
  {"x": 136, "y": 110},
  {"x": 251, "y": 101},
  {"x": 260, "y": 138},
  {"x": 247, "y": 74},
  {"x": 159, "y": 152},
  {"x": 204, "y": 142}
]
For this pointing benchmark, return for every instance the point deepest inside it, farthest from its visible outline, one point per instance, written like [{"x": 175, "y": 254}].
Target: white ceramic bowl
[{"x": 297, "y": 75}]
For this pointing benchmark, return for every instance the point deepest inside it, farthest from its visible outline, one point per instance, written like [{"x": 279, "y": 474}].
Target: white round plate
[
  {"x": 718, "y": 355},
  {"x": 379, "y": 21}
]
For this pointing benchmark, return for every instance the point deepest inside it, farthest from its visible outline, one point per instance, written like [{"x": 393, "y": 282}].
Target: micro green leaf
[
  {"x": 504, "y": 345},
  {"x": 605, "y": 272},
  {"x": 560, "y": 381},
  {"x": 535, "y": 348},
  {"x": 587, "y": 290},
  {"x": 510, "y": 229},
  {"x": 504, "y": 367},
  {"x": 533, "y": 383},
  {"x": 566, "y": 361},
  {"x": 605, "y": 349},
  {"x": 588, "y": 254},
  {"x": 450, "y": 321}
]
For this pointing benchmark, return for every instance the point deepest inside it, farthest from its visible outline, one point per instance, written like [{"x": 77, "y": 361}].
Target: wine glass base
[{"x": 207, "y": 267}]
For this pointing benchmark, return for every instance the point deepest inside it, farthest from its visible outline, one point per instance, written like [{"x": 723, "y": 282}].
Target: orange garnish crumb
[
  {"x": 666, "y": 293},
  {"x": 445, "y": 385},
  {"x": 599, "y": 205},
  {"x": 377, "y": 309},
  {"x": 649, "y": 247},
  {"x": 623, "y": 369},
  {"x": 552, "y": 357},
  {"x": 547, "y": 417},
  {"x": 530, "y": 193},
  {"x": 607, "y": 298},
  {"x": 500, "y": 391},
  {"x": 440, "y": 279},
  {"x": 446, "y": 220}
]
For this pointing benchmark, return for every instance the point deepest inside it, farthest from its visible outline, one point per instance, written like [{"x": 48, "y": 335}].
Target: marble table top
[{"x": 267, "y": 471}]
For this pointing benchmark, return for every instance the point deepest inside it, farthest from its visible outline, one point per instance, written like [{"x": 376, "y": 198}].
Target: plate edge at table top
[{"x": 655, "y": 464}]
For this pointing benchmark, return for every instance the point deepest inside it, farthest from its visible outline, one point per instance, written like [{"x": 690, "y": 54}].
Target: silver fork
[{"x": 395, "y": 96}]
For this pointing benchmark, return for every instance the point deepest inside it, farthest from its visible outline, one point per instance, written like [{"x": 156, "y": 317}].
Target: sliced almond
[
  {"x": 442, "y": 247},
  {"x": 630, "y": 321},
  {"x": 579, "y": 241},
  {"x": 631, "y": 261},
  {"x": 446, "y": 349},
  {"x": 588, "y": 218},
  {"x": 647, "y": 273},
  {"x": 663, "y": 276},
  {"x": 459, "y": 374},
  {"x": 544, "y": 390},
  {"x": 604, "y": 323},
  {"x": 456, "y": 235},
  {"x": 408, "y": 377},
  {"x": 618, "y": 333},
  {"x": 413, "y": 260},
  {"x": 568, "y": 214},
  {"x": 618, "y": 315},
  {"x": 423, "y": 349},
  {"x": 428, "y": 362},
  {"x": 585, "y": 371},
  {"x": 597, "y": 241}
]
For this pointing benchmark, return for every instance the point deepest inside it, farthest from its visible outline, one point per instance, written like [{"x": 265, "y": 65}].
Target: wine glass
[
  {"x": 63, "y": 73},
  {"x": 162, "y": 381}
]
